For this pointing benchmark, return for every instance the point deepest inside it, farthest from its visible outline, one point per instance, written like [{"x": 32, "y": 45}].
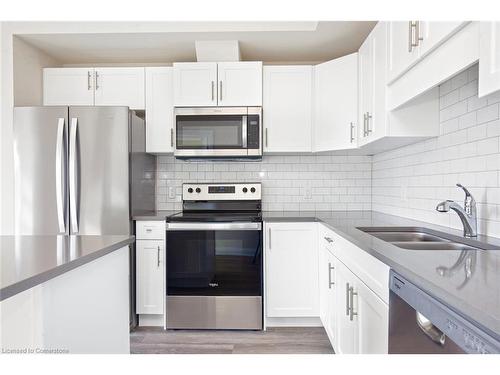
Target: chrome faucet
[{"x": 467, "y": 214}]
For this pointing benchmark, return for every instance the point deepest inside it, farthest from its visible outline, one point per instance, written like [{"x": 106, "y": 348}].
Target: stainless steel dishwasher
[{"x": 420, "y": 324}]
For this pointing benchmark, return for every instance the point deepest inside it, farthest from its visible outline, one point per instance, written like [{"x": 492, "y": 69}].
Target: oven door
[
  {"x": 214, "y": 276},
  {"x": 214, "y": 259},
  {"x": 211, "y": 132}
]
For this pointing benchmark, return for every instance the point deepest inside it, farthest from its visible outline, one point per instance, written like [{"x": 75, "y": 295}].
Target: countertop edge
[{"x": 33, "y": 281}]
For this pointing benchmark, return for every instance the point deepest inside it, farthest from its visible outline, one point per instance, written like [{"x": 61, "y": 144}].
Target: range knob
[
  {"x": 252, "y": 190},
  {"x": 245, "y": 189},
  {"x": 198, "y": 190},
  {"x": 190, "y": 190}
]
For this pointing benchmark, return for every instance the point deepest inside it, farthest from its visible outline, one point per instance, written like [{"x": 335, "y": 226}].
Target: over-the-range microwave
[{"x": 218, "y": 132}]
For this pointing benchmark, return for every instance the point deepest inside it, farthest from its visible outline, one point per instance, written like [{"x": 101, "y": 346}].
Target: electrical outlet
[{"x": 171, "y": 192}]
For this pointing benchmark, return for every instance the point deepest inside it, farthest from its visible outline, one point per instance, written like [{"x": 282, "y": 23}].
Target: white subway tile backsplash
[
  {"x": 328, "y": 181},
  {"x": 411, "y": 180}
]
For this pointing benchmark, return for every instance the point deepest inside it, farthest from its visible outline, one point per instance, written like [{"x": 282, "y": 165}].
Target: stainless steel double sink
[{"x": 419, "y": 238}]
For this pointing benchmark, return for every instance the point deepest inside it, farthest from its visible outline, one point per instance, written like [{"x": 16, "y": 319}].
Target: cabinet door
[
  {"x": 366, "y": 92},
  {"x": 120, "y": 87},
  {"x": 149, "y": 276},
  {"x": 336, "y": 109},
  {"x": 377, "y": 117},
  {"x": 159, "y": 110},
  {"x": 489, "y": 58},
  {"x": 346, "y": 328},
  {"x": 331, "y": 324},
  {"x": 68, "y": 86},
  {"x": 195, "y": 84},
  {"x": 287, "y": 108},
  {"x": 433, "y": 33},
  {"x": 292, "y": 270},
  {"x": 401, "y": 52},
  {"x": 323, "y": 284},
  {"x": 239, "y": 83},
  {"x": 373, "y": 321}
]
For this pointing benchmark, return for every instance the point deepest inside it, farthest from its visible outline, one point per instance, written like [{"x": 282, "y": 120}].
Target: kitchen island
[{"x": 64, "y": 294}]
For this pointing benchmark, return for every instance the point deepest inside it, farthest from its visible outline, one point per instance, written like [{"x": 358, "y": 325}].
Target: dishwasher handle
[{"x": 430, "y": 330}]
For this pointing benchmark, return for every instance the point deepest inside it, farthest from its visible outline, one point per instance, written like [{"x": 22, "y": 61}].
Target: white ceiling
[{"x": 175, "y": 41}]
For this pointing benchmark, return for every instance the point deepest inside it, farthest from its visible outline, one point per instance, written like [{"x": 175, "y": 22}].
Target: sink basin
[
  {"x": 434, "y": 246},
  {"x": 407, "y": 237},
  {"x": 417, "y": 238}
]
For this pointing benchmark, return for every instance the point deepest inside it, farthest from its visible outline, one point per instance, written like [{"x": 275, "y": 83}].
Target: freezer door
[
  {"x": 98, "y": 170},
  {"x": 40, "y": 148}
]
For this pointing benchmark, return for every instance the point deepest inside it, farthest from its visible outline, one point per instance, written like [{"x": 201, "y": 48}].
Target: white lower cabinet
[
  {"x": 150, "y": 272},
  {"x": 362, "y": 317},
  {"x": 149, "y": 282},
  {"x": 291, "y": 259}
]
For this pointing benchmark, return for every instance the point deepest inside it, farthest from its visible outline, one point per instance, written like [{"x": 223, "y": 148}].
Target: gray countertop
[
  {"x": 478, "y": 299},
  {"x": 26, "y": 261}
]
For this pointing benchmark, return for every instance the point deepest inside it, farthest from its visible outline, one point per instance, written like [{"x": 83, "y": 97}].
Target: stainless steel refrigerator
[{"x": 81, "y": 171}]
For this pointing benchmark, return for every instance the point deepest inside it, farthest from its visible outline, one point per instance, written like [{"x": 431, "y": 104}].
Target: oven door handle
[{"x": 214, "y": 226}]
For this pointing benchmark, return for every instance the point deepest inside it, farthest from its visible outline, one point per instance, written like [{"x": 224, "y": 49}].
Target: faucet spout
[{"x": 467, "y": 214}]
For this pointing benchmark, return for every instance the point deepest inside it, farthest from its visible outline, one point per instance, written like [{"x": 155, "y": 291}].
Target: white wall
[
  {"x": 28, "y": 75},
  {"x": 335, "y": 182},
  {"x": 410, "y": 181}
]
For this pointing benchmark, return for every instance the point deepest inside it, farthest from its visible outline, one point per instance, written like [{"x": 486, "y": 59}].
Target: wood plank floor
[{"x": 154, "y": 340}]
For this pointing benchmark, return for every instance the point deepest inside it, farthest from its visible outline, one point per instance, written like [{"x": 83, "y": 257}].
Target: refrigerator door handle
[
  {"x": 60, "y": 175},
  {"x": 73, "y": 175}
]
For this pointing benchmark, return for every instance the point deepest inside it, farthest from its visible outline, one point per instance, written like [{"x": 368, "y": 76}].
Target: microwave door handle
[{"x": 244, "y": 134}]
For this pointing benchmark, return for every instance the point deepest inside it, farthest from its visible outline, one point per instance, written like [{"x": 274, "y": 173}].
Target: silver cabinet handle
[
  {"x": 60, "y": 175},
  {"x": 368, "y": 117},
  {"x": 158, "y": 264},
  {"x": 330, "y": 282},
  {"x": 352, "y": 132},
  {"x": 418, "y": 38},
  {"x": 213, "y": 87},
  {"x": 269, "y": 238},
  {"x": 171, "y": 137},
  {"x": 352, "y": 293},
  {"x": 220, "y": 91},
  {"x": 410, "y": 36},
  {"x": 430, "y": 330},
  {"x": 96, "y": 80},
  {"x": 364, "y": 124},
  {"x": 266, "y": 138},
  {"x": 89, "y": 84},
  {"x": 328, "y": 239},
  {"x": 73, "y": 175},
  {"x": 347, "y": 289}
]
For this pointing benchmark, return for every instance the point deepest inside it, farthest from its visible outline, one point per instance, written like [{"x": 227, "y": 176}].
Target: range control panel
[{"x": 221, "y": 191}]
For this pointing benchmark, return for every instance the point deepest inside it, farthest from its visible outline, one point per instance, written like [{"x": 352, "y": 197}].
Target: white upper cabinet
[
  {"x": 401, "y": 50},
  {"x": 287, "y": 108},
  {"x": 159, "y": 110},
  {"x": 336, "y": 104},
  {"x": 94, "y": 86},
  {"x": 120, "y": 86},
  {"x": 411, "y": 41},
  {"x": 68, "y": 86},
  {"x": 433, "y": 33},
  {"x": 239, "y": 83},
  {"x": 489, "y": 58},
  {"x": 207, "y": 84},
  {"x": 195, "y": 84},
  {"x": 291, "y": 257}
]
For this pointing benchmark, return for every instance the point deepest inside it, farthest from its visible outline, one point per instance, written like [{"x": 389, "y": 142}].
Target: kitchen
[{"x": 209, "y": 188}]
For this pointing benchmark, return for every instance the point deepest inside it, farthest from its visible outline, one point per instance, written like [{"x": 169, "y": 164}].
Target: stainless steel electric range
[{"x": 214, "y": 258}]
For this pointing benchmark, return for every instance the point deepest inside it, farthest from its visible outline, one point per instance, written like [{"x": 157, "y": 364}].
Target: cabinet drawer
[{"x": 150, "y": 230}]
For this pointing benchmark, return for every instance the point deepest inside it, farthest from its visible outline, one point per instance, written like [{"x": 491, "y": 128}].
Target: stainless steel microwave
[{"x": 218, "y": 132}]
